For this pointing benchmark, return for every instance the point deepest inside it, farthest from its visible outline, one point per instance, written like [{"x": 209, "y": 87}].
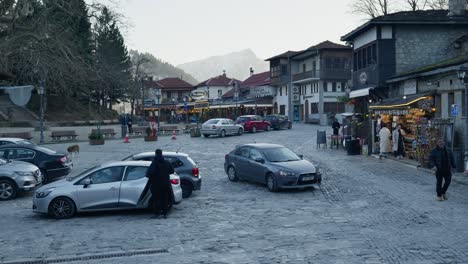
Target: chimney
[
  {"x": 224, "y": 73},
  {"x": 457, "y": 8},
  {"x": 251, "y": 71}
]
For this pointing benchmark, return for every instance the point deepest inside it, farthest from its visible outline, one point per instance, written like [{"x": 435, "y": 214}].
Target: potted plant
[
  {"x": 96, "y": 138},
  {"x": 151, "y": 134}
]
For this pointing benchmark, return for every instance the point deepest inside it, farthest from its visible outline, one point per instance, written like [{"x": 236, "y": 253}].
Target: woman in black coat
[{"x": 159, "y": 180}]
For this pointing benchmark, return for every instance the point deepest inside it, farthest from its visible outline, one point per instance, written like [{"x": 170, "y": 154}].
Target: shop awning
[
  {"x": 360, "y": 92},
  {"x": 401, "y": 101}
]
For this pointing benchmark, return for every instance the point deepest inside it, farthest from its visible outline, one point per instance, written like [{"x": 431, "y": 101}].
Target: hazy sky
[{"x": 180, "y": 31}]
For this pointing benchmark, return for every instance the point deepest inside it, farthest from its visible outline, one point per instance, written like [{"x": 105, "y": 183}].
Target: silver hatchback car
[
  {"x": 221, "y": 127},
  {"x": 111, "y": 186},
  {"x": 16, "y": 176}
]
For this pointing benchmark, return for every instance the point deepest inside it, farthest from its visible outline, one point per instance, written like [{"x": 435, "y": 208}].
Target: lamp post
[
  {"x": 158, "y": 97},
  {"x": 462, "y": 75},
  {"x": 256, "y": 97},
  {"x": 40, "y": 91},
  {"x": 143, "y": 98},
  {"x": 236, "y": 96}
]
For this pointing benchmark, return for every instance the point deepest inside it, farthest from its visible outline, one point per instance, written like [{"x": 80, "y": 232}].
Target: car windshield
[
  {"x": 243, "y": 119},
  {"x": 73, "y": 177},
  {"x": 46, "y": 150},
  {"x": 211, "y": 121},
  {"x": 280, "y": 155}
]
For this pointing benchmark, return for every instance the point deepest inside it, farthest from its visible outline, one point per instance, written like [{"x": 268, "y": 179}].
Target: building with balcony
[
  {"x": 319, "y": 76},
  {"x": 173, "y": 90},
  {"x": 214, "y": 88}
]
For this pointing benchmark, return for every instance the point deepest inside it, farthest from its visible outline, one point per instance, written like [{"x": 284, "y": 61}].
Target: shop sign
[
  {"x": 296, "y": 99},
  {"x": 454, "y": 110},
  {"x": 391, "y": 112},
  {"x": 410, "y": 87},
  {"x": 441, "y": 121}
]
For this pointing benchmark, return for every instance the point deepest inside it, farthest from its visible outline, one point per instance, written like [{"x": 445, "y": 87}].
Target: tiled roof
[
  {"x": 286, "y": 54},
  {"x": 257, "y": 80},
  {"x": 221, "y": 80},
  {"x": 173, "y": 83},
  {"x": 329, "y": 45},
  {"x": 420, "y": 17}
]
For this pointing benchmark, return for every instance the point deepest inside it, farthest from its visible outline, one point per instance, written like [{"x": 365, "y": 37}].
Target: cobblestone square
[{"x": 366, "y": 211}]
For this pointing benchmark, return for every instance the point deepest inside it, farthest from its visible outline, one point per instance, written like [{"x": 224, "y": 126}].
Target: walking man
[
  {"x": 442, "y": 159},
  {"x": 384, "y": 135},
  {"x": 159, "y": 181}
]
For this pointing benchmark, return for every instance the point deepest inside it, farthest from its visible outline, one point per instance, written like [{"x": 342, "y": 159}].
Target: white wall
[
  {"x": 387, "y": 32},
  {"x": 281, "y": 99},
  {"x": 365, "y": 38}
]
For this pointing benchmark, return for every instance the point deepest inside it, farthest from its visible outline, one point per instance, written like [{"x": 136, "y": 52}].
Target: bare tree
[
  {"x": 438, "y": 4},
  {"x": 371, "y": 8},
  {"x": 417, "y": 4},
  {"x": 138, "y": 73}
]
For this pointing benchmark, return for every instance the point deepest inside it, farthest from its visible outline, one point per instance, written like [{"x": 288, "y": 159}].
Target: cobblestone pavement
[{"x": 367, "y": 211}]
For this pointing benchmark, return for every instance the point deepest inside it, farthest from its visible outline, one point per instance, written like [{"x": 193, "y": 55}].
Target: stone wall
[{"x": 418, "y": 46}]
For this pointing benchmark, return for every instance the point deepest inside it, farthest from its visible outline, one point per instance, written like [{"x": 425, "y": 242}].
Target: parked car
[
  {"x": 116, "y": 185},
  {"x": 51, "y": 163},
  {"x": 184, "y": 166},
  {"x": 275, "y": 165},
  {"x": 7, "y": 141},
  {"x": 253, "y": 123},
  {"x": 17, "y": 176},
  {"x": 279, "y": 122},
  {"x": 221, "y": 127}
]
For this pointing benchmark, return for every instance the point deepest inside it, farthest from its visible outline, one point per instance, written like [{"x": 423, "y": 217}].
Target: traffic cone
[
  {"x": 174, "y": 135},
  {"x": 126, "y": 138}
]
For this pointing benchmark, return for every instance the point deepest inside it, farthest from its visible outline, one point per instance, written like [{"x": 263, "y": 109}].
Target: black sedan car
[
  {"x": 274, "y": 165},
  {"x": 51, "y": 163},
  {"x": 279, "y": 122}
]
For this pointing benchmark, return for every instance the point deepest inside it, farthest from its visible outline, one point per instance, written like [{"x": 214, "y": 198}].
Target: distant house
[
  {"x": 173, "y": 90},
  {"x": 214, "y": 88}
]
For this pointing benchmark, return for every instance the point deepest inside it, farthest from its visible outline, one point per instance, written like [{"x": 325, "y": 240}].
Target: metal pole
[
  {"x": 143, "y": 98},
  {"x": 42, "y": 114},
  {"x": 466, "y": 126},
  {"x": 159, "y": 110},
  {"x": 237, "y": 96}
]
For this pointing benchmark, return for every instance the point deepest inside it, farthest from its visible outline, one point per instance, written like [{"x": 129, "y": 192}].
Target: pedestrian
[
  {"x": 129, "y": 124},
  {"x": 384, "y": 135},
  {"x": 398, "y": 145},
  {"x": 160, "y": 185},
  {"x": 441, "y": 160},
  {"x": 336, "y": 127}
]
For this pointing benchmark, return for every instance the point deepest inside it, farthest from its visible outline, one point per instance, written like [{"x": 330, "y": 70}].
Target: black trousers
[
  {"x": 446, "y": 177},
  {"x": 160, "y": 201}
]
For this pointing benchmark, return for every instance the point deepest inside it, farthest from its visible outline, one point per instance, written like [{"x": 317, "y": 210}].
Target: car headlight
[
  {"x": 44, "y": 193},
  {"x": 24, "y": 173},
  {"x": 286, "y": 173}
]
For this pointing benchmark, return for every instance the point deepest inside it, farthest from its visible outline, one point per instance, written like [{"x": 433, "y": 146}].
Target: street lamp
[
  {"x": 158, "y": 97},
  {"x": 236, "y": 95},
  {"x": 40, "y": 91},
  {"x": 462, "y": 76}
]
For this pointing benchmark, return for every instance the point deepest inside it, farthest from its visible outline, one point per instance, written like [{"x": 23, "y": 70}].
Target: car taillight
[
  {"x": 195, "y": 171},
  {"x": 63, "y": 159},
  {"x": 175, "y": 181}
]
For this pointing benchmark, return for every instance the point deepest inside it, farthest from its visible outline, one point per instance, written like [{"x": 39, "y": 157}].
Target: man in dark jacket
[
  {"x": 336, "y": 127},
  {"x": 442, "y": 159},
  {"x": 159, "y": 180}
]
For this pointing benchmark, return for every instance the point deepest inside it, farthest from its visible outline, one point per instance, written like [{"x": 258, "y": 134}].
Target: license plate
[{"x": 307, "y": 178}]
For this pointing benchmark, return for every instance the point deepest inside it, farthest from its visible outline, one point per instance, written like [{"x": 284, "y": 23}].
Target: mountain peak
[{"x": 236, "y": 64}]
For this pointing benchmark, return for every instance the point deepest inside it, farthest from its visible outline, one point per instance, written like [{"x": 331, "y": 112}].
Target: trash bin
[
  {"x": 458, "y": 157},
  {"x": 353, "y": 147}
]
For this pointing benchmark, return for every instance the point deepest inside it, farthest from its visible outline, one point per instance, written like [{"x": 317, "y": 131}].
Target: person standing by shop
[
  {"x": 336, "y": 127},
  {"x": 160, "y": 185},
  {"x": 398, "y": 145},
  {"x": 384, "y": 136},
  {"x": 442, "y": 162}
]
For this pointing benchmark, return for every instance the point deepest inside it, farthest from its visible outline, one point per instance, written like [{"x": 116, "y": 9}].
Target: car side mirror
[
  {"x": 86, "y": 183},
  {"x": 301, "y": 156},
  {"x": 259, "y": 160}
]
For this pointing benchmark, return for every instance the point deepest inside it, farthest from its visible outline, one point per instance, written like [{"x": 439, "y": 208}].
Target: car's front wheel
[
  {"x": 254, "y": 129},
  {"x": 222, "y": 133},
  {"x": 45, "y": 178},
  {"x": 187, "y": 189},
  {"x": 8, "y": 190},
  {"x": 271, "y": 182},
  {"x": 240, "y": 131},
  {"x": 268, "y": 128},
  {"x": 232, "y": 174},
  {"x": 62, "y": 208},
  {"x": 206, "y": 135}
]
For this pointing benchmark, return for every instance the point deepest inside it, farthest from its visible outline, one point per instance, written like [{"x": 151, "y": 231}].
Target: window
[
  {"x": 314, "y": 66},
  {"x": 339, "y": 87},
  {"x": 13, "y": 154},
  {"x": 135, "y": 173},
  {"x": 304, "y": 67},
  {"x": 330, "y": 107},
  {"x": 343, "y": 86},
  {"x": 107, "y": 175},
  {"x": 282, "y": 109},
  {"x": 281, "y": 91},
  {"x": 314, "y": 108},
  {"x": 325, "y": 86},
  {"x": 175, "y": 162},
  {"x": 284, "y": 69},
  {"x": 255, "y": 154},
  {"x": 243, "y": 152},
  {"x": 220, "y": 93},
  {"x": 334, "y": 87}
]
